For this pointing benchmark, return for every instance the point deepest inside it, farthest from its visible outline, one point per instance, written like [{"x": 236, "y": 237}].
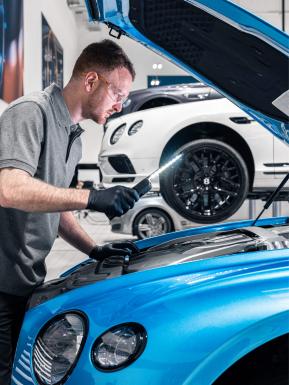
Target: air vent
[
  {"x": 121, "y": 164},
  {"x": 241, "y": 120}
]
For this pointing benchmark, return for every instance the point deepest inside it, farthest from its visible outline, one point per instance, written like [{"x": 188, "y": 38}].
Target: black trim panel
[
  {"x": 241, "y": 120},
  {"x": 275, "y": 173},
  {"x": 87, "y": 166},
  {"x": 121, "y": 164},
  {"x": 275, "y": 164},
  {"x": 122, "y": 180}
]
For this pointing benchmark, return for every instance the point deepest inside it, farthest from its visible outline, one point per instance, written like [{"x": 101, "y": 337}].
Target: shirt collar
[{"x": 63, "y": 115}]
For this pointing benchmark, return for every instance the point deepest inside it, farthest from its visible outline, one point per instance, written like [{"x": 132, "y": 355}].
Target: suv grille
[{"x": 121, "y": 164}]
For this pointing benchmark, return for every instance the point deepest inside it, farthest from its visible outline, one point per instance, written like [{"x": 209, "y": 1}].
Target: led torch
[{"x": 145, "y": 185}]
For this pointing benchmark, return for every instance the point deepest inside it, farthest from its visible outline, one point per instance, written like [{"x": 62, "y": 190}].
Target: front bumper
[{"x": 118, "y": 168}]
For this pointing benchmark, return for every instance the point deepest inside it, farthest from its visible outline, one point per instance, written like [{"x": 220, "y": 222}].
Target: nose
[{"x": 117, "y": 107}]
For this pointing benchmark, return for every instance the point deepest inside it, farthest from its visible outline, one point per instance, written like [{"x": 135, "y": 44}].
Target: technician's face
[{"x": 108, "y": 92}]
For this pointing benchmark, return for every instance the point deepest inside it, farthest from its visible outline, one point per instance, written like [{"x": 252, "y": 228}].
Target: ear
[{"x": 90, "y": 79}]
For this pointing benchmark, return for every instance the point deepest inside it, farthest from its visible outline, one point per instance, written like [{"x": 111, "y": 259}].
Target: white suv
[{"x": 227, "y": 156}]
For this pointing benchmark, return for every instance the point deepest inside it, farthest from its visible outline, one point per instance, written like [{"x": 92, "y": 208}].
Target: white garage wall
[
  {"x": 269, "y": 10},
  {"x": 62, "y": 22}
]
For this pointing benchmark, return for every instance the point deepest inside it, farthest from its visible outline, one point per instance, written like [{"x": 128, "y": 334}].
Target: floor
[{"x": 63, "y": 256}]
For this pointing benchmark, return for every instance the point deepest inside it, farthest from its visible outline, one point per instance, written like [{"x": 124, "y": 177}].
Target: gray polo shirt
[{"x": 37, "y": 136}]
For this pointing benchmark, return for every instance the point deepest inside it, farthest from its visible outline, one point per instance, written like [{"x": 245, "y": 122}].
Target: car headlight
[
  {"x": 57, "y": 347},
  {"x": 119, "y": 346},
  {"x": 126, "y": 103},
  {"x": 200, "y": 96},
  {"x": 135, "y": 127},
  {"x": 117, "y": 133}
]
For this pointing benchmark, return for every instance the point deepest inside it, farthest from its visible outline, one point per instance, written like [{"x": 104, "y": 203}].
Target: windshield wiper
[{"x": 272, "y": 198}]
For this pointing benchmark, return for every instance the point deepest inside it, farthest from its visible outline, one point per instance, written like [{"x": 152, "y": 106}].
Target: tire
[
  {"x": 151, "y": 222},
  {"x": 209, "y": 184}
]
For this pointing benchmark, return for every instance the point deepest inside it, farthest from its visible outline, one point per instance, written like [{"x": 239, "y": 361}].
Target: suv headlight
[
  {"x": 200, "y": 96},
  {"x": 117, "y": 133},
  {"x": 135, "y": 127},
  {"x": 57, "y": 347},
  {"x": 126, "y": 103},
  {"x": 119, "y": 346}
]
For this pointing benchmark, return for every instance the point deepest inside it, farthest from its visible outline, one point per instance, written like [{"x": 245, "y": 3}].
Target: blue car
[{"x": 208, "y": 305}]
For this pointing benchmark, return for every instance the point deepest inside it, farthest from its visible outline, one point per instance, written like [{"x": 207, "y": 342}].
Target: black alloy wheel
[
  {"x": 151, "y": 222},
  {"x": 209, "y": 183}
]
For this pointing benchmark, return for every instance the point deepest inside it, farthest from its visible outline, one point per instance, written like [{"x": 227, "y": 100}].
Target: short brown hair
[{"x": 103, "y": 56}]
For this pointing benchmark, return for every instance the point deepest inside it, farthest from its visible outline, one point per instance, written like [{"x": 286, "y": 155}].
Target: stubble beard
[
  {"x": 89, "y": 113},
  {"x": 98, "y": 117}
]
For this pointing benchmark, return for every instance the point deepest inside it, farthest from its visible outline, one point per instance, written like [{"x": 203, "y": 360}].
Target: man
[{"x": 40, "y": 147}]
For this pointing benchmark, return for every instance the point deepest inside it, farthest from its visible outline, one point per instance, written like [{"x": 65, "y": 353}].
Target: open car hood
[{"x": 240, "y": 55}]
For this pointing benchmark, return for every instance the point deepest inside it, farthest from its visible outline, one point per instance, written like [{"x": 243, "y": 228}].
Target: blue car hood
[{"x": 240, "y": 55}]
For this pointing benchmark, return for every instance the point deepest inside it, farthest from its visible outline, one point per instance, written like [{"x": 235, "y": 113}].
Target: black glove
[
  {"x": 117, "y": 250},
  {"x": 114, "y": 201}
]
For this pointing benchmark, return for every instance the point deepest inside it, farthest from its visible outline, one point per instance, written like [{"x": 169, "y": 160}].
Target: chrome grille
[{"x": 22, "y": 370}]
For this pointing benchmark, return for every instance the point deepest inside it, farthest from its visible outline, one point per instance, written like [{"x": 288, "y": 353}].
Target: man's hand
[
  {"x": 117, "y": 250},
  {"x": 114, "y": 201}
]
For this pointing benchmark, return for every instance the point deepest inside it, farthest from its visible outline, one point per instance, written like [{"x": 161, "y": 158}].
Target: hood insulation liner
[{"x": 239, "y": 63}]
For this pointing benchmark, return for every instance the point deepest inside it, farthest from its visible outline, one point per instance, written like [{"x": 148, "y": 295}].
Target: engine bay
[{"x": 181, "y": 250}]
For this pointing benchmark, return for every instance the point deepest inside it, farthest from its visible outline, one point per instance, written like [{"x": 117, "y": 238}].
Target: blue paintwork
[
  {"x": 116, "y": 12},
  {"x": 200, "y": 316}
]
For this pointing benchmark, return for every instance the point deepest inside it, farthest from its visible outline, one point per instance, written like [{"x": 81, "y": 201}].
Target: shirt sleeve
[{"x": 21, "y": 136}]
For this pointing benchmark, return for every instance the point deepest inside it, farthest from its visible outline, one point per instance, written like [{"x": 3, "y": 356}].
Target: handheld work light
[{"x": 145, "y": 185}]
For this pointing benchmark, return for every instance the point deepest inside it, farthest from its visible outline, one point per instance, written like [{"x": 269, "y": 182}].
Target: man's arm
[
  {"x": 21, "y": 191},
  {"x": 71, "y": 231}
]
